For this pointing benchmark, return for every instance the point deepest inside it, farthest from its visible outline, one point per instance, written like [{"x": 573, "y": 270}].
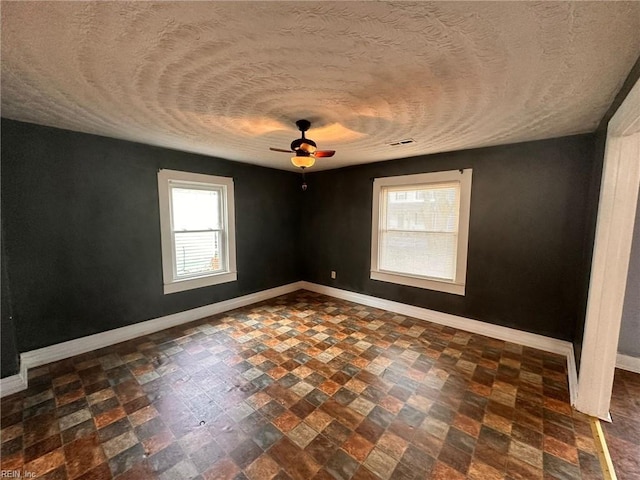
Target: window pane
[
  {"x": 195, "y": 209},
  {"x": 419, "y": 253},
  {"x": 198, "y": 252},
  {"x": 425, "y": 208}
]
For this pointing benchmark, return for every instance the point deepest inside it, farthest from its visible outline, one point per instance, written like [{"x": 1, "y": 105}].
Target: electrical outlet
[{"x": 333, "y": 274}]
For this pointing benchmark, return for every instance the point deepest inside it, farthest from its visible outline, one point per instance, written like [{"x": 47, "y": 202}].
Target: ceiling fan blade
[
  {"x": 280, "y": 150},
  {"x": 324, "y": 153}
]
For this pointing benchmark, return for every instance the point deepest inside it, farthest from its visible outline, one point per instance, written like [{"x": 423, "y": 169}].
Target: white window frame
[
  {"x": 167, "y": 178},
  {"x": 457, "y": 286}
]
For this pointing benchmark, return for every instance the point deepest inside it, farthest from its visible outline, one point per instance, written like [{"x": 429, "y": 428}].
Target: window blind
[
  {"x": 197, "y": 228},
  {"x": 419, "y": 229}
]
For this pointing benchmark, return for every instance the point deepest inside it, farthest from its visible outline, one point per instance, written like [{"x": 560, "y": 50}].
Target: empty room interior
[{"x": 320, "y": 240}]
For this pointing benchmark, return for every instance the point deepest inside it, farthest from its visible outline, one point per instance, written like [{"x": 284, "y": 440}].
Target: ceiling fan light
[{"x": 303, "y": 162}]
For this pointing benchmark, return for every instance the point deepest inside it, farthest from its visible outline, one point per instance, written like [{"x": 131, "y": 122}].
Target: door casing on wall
[{"x": 612, "y": 250}]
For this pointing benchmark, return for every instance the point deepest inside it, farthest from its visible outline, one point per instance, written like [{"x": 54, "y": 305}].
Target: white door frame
[{"x": 611, "y": 252}]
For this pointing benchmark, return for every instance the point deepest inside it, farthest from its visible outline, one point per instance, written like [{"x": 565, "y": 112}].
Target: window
[
  {"x": 420, "y": 230},
  {"x": 197, "y": 230}
]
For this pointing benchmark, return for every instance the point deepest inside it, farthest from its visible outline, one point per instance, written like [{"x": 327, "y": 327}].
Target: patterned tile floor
[
  {"x": 623, "y": 434},
  {"x": 301, "y": 387}
]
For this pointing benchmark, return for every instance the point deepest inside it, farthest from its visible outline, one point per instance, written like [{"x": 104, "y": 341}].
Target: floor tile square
[
  {"x": 302, "y": 435},
  {"x": 83, "y": 454},
  {"x": 263, "y": 468},
  {"x": 380, "y": 463},
  {"x": 341, "y": 466},
  {"x": 357, "y": 446}
]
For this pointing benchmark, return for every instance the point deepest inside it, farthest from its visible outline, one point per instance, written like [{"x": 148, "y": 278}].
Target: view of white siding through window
[
  {"x": 419, "y": 230},
  {"x": 197, "y": 219}
]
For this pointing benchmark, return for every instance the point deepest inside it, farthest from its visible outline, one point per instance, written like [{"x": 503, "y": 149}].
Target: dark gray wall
[
  {"x": 82, "y": 238},
  {"x": 528, "y": 211},
  {"x": 629, "y": 342},
  {"x": 8, "y": 349}
]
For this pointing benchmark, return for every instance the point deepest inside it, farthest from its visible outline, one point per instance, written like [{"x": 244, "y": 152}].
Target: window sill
[
  {"x": 191, "y": 283},
  {"x": 427, "y": 284}
]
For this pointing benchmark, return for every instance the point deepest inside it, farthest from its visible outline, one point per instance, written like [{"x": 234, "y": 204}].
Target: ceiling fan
[{"x": 305, "y": 149}]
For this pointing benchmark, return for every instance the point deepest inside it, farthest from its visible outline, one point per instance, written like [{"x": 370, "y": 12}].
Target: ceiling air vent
[{"x": 402, "y": 142}]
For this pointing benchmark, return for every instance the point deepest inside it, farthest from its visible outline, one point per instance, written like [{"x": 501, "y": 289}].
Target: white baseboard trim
[
  {"x": 572, "y": 375},
  {"x": 78, "y": 346},
  {"x": 627, "y": 362},
  {"x": 11, "y": 385},
  {"x": 552, "y": 345},
  {"x": 60, "y": 351}
]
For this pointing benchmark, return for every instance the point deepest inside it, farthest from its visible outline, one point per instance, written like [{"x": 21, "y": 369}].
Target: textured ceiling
[{"x": 229, "y": 79}]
